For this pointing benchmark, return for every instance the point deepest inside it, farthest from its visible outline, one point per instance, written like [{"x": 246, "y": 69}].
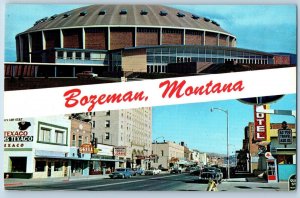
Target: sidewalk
[
  {"x": 256, "y": 179},
  {"x": 51, "y": 180}
]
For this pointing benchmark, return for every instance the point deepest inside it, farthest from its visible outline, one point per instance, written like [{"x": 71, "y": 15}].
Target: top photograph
[{"x": 66, "y": 45}]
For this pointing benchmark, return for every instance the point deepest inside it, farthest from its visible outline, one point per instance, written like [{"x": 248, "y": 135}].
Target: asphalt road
[{"x": 180, "y": 182}]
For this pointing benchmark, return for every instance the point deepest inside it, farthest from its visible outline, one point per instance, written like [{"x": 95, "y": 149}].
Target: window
[
  {"x": 74, "y": 140},
  {"x": 59, "y": 137},
  {"x": 18, "y": 164},
  {"x": 40, "y": 166},
  {"x": 206, "y": 19},
  {"x": 69, "y": 55},
  {"x": 60, "y": 54},
  {"x": 102, "y": 12},
  {"x": 94, "y": 124},
  {"x": 87, "y": 56},
  {"x": 79, "y": 141},
  {"x": 78, "y": 55},
  {"x": 123, "y": 11},
  {"x": 53, "y": 17},
  {"x": 180, "y": 14},
  {"x": 163, "y": 13},
  {"x": 52, "y": 134},
  {"x": 83, "y": 13},
  {"x": 58, "y": 166},
  {"x": 144, "y": 12},
  {"x": 162, "y": 153},
  {"x": 107, "y": 113},
  {"x": 45, "y": 135},
  {"x": 107, "y": 135},
  {"x": 66, "y": 15},
  {"x": 107, "y": 123},
  {"x": 195, "y": 17},
  {"x": 86, "y": 139}
]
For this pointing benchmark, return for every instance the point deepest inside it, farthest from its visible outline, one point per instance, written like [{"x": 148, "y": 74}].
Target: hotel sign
[{"x": 285, "y": 136}]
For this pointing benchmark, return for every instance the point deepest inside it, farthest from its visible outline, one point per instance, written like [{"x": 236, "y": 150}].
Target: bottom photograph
[{"x": 239, "y": 145}]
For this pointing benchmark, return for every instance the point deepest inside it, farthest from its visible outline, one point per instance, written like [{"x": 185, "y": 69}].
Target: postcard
[{"x": 143, "y": 97}]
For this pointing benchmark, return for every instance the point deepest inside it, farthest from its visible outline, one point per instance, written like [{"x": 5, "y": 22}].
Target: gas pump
[{"x": 272, "y": 170}]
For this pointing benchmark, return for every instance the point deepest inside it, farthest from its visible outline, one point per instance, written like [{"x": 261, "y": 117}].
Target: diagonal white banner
[{"x": 125, "y": 95}]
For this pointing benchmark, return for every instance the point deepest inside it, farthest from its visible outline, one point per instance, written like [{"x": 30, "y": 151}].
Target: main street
[{"x": 167, "y": 182}]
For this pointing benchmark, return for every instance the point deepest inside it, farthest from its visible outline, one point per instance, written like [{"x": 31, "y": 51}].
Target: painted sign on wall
[{"x": 18, "y": 133}]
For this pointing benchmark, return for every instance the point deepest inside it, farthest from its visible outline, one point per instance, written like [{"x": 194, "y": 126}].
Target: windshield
[{"x": 120, "y": 169}]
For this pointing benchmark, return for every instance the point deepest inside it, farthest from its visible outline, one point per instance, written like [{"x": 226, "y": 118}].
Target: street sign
[
  {"x": 292, "y": 183},
  {"x": 268, "y": 155},
  {"x": 285, "y": 136}
]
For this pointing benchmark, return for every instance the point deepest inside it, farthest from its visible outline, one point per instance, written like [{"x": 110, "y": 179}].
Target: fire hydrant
[{"x": 212, "y": 186}]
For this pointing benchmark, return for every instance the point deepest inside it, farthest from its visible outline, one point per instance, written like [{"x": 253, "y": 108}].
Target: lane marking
[{"x": 126, "y": 182}]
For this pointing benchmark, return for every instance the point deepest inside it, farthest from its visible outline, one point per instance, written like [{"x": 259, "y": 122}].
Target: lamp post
[{"x": 227, "y": 119}]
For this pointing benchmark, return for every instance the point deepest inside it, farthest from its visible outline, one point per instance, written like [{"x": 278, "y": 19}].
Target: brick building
[{"x": 249, "y": 156}]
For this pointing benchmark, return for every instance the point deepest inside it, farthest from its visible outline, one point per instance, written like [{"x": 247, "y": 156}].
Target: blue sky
[
  {"x": 269, "y": 28},
  {"x": 200, "y": 128}
]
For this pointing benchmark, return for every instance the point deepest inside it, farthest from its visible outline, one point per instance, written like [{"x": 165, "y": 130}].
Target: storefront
[
  {"x": 36, "y": 147},
  {"x": 104, "y": 162}
]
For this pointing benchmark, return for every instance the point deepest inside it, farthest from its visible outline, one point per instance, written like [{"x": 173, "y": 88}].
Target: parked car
[
  {"x": 176, "y": 171},
  {"x": 87, "y": 74},
  {"x": 152, "y": 171},
  {"x": 162, "y": 168},
  {"x": 192, "y": 169},
  {"x": 138, "y": 171},
  {"x": 121, "y": 173},
  {"x": 211, "y": 173}
]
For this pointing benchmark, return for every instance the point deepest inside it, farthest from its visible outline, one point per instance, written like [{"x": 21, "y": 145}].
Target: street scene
[
  {"x": 161, "y": 182},
  {"x": 242, "y": 144},
  {"x": 85, "y": 152}
]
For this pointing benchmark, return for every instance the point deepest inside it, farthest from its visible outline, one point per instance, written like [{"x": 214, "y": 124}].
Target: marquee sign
[
  {"x": 86, "y": 148},
  {"x": 120, "y": 151}
]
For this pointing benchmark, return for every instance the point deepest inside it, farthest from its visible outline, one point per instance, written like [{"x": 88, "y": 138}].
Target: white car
[{"x": 152, "y": 171}]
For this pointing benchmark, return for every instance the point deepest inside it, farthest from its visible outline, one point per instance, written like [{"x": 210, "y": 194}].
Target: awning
[
  {"x": 285, "y": 151},
  {"x": 62, "y": 158},
  {"x": 107, "y": 160}
]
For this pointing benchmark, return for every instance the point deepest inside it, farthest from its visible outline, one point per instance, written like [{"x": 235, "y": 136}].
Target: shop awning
[
  {"x": 62, "y": 158},
  {"x": 285, "y": 151},
  {"x": 108, "y": 160}
]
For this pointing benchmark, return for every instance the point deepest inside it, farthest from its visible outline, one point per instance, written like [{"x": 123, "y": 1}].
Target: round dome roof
[{"x": 126, "y": 15}]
